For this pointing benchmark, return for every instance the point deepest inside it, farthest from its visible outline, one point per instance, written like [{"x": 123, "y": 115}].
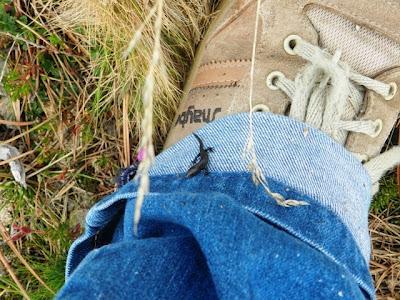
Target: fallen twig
[{"x": 16, "y": 123}]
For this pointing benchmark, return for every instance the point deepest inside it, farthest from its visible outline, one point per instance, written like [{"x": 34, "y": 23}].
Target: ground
[{"x": 75, "y": 118}]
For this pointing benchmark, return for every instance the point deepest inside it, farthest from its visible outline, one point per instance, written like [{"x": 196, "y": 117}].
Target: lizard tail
[{"x": 199, "y": 140}]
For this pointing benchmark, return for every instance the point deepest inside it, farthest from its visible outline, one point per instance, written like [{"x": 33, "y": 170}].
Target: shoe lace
[{"x": 328, "y": 95}]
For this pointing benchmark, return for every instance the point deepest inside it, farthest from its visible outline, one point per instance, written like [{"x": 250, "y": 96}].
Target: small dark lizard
[{"x": 200, "y": 162}]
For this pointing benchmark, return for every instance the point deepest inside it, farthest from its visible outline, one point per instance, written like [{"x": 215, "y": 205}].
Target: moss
[{"x": 388, "y": 194}]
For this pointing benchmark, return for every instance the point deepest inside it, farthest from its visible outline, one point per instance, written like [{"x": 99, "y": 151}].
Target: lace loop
[
  {"x": 328, "y": 95},
  {"x": 369, "y": 127},
  {"x": 310, "y": 52}
]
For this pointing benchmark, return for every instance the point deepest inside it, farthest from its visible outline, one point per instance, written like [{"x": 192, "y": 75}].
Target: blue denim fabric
[{"x": 220, "y": 236}]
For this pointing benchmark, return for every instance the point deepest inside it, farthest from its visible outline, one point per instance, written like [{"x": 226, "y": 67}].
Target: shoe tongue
[{"x": 365, "y": 50}]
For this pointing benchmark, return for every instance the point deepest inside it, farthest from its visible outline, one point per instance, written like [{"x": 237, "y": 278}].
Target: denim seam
[{"x": 88, "y": 235}]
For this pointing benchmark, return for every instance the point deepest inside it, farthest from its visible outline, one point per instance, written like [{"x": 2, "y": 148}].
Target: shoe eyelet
[
  {"x": 261, "y": 108},
  {"x": 362, "y": 157},
  {"x": 392, "y": 91},
  {"x": 378, "y": 128},
  {"x": 290, "y": 44},
  {"x": 272, "y": 78}
]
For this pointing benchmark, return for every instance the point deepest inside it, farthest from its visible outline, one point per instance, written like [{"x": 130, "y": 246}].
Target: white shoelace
[{"x": 328, "y": 95}]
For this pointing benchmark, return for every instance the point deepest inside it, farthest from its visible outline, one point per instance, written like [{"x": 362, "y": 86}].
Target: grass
[
  {"x": 43, "y": 87},
  {"x": 118, "y": 77},
  {"x": 66, "y": 74},
  {"x": 385, "y": 232}
]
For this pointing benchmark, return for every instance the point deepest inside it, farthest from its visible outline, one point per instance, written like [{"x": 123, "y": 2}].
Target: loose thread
[{"x": 250, "y": 152}]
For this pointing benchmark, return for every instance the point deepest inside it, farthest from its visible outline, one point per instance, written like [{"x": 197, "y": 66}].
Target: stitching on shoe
[
  {"x": 221, "y": 73},
  {"x": 229, "y": 62},
  {"x": 213, "y": 87}
]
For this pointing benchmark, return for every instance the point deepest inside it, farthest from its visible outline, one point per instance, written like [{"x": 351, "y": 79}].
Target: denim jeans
[{"x": 219, "y": 236}]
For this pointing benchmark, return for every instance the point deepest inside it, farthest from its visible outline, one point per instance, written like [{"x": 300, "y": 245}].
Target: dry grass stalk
[
  {"x": 108, "y": 25},
  {"x": 78, "y": 78},
  {"x": 15, "y": 123},
  {"x": 10, "y": 243},
  {"x": 146, "y": 144},
  {"x": 126, "y": 130},
  {"x": 385, "y": 263},
  {"x": 7, "y": 161},
  {"x": 398, "y": 167},
  {"x": 9, "y": 141},
  {"x": 10, "y": 271},
  {"x": 144, "y": 74}
]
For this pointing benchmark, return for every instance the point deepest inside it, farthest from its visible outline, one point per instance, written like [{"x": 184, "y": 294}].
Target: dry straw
[
  {"x": 146, "y": 145},
  {"x": 93, "y": 112},
  {"x": 111, "y": 29},
  {"x": 135, "y": 65}
]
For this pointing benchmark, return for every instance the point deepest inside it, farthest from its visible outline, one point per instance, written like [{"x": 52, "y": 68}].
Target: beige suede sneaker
[{"x": 332, "y": 64}]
